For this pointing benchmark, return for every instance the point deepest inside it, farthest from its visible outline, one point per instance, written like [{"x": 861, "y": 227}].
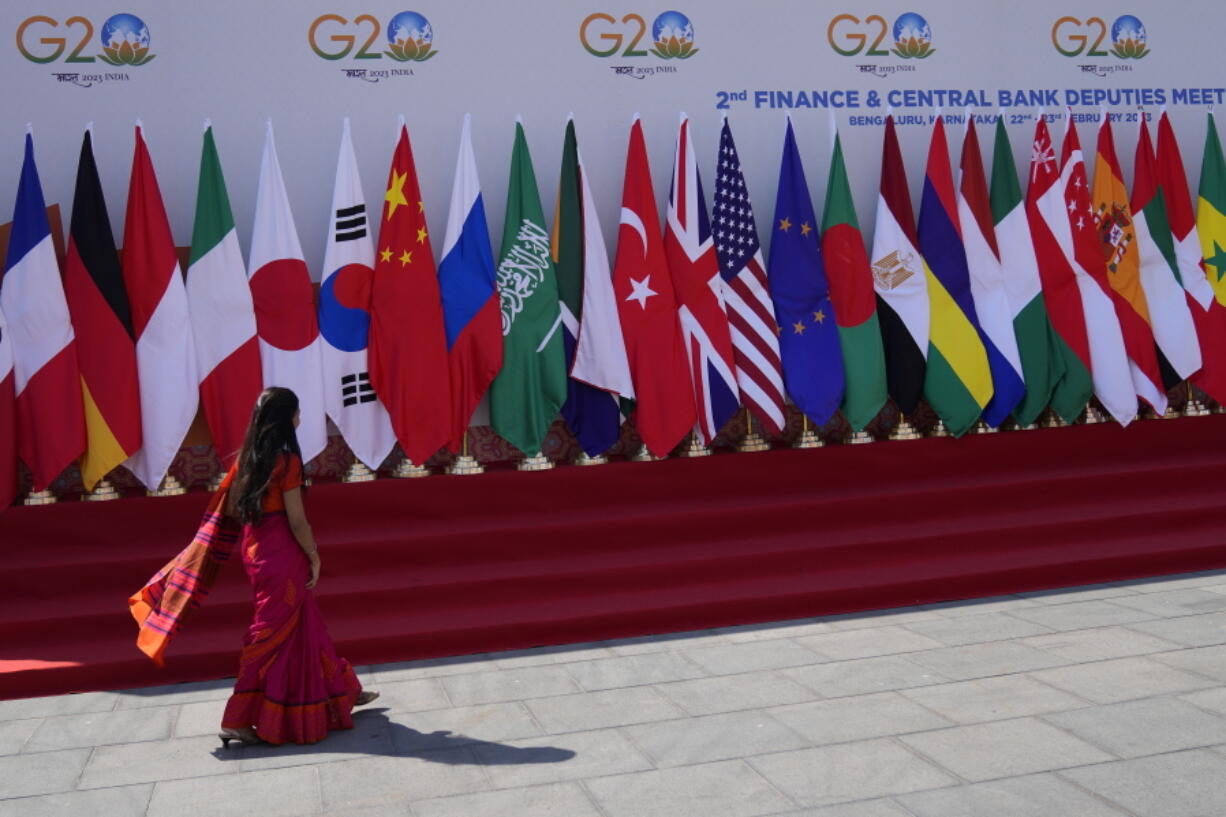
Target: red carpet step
[{"x": 452, "y": 565}]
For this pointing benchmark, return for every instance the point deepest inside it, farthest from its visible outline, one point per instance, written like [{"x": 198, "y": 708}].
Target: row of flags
[{"x": 991, "y": 304}]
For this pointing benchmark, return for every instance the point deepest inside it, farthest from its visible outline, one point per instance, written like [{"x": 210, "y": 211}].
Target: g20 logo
[
  {"x": 124, "y": 39},
  {"x": 672, "y": 35},
  {"x": 410, "y": 37},
  {"x": 1072, "y": 37},
  {"x": 912, "y": 36}
]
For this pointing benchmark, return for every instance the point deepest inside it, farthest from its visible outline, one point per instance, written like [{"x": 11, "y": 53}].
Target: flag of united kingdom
[{"x": 700, "y": 293}]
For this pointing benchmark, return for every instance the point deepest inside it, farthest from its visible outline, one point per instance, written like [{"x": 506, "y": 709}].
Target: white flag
[
  {"x": 344, "y": 317},
  {"x": 285, "y": 304}
]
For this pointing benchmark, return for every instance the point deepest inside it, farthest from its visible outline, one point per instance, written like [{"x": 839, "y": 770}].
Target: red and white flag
[
  {"x": 285, "y": 304},
  {"x": 165, "y": 351},
  {"x": 700, "y": 293},
  {"x": 647, "y": 306},
  {"x": 1109, "y": 365},
  {"x": 47, "y": 381},
  {"x": 1208, "y": 315}
]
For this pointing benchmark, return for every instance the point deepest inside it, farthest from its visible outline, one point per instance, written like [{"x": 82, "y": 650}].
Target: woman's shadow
[{"x": 376, "y": 734}]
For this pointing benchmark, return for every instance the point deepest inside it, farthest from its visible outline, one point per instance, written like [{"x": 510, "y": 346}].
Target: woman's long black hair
[{"x": 269, "y": 435}]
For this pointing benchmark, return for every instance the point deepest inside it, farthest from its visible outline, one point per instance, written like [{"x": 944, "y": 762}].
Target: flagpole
[
  {"x": 465, "y": 464},
  {"x": 752, "y": 441}
]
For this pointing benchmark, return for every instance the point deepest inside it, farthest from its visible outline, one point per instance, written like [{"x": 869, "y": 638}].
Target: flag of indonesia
[
  {"x": 47, "y": 382},
  {"x": 223, "y": 316},
  {"x": 165, "y": 353},
  {"x": 285, "y": 304},
  {"x": 8, "y": 420}
]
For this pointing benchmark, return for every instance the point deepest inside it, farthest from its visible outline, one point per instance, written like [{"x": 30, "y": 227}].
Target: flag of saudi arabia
[
  {"x": 1211, "y": 212},
  {"x": 527, "y": 393},
  {"x": 1042, "y": 365},
  {"x": 855, "y": 305}
]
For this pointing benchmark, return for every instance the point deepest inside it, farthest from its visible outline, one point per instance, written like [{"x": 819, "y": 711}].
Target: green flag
[
  {"x": 855, "y": 304},
  {"x": 526, "y": 395},
  {"x": 1037, "y": 344}
]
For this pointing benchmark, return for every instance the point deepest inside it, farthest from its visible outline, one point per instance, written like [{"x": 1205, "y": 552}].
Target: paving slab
[
  {"x": 713, "y": 737},
  {"x": 599, "y": 710},
  {"x": 849, "y": 771},
  {"x": 378, "y": 781},
  {"x": 102, "y": 728},
  {"x": 729, "y": 693},
  {"x": 507, "y": 685},
  {"x": 153, "y": 761},
  {"x": 1013, "y": 748},
  {"x": 119, "y": 801},
  {"x": 1098, "y": 644},
  {"x": 842, "y": 678},
  {"x": 865, "y": 808},
  {"x": 729, "y": 789},
  {"x": 976, "y": 629},
  {"x": 1190, "y": 631},
  {"x": 1182, "y": 784},
  {"x": 867, "y": 643},
  {"x": 444, "y": 728},
  {"x": 1184, "y": 602},
  {"x": 41, "y": 773},
  {"x": 982, "y": 660},
  {"x": 856, "y": 718},
  {"x": 551, "y": 759},
  {"x": 550, "y": 800},
  {"x": 759, "y": 655},
  {"x": 1147, "y": 727},
  {"x": 278, "y": 793},
  {"x": 1121, "y": 679},
  {"x": 993, "y": 699},
  {"x": 633, "y": 670},
  {"x": 1040, "y": 795},
  {"x": 1082, "y": 615},
  {"x": 1207, "y": 661},
  {"x": 14, "y": 734}
]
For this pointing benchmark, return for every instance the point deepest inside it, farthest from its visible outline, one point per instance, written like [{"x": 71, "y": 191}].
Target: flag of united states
[{"x": 751, "y": 317}]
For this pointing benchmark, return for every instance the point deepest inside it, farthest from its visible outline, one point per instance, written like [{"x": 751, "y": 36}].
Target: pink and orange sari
[{"x": 292, "y": 687}]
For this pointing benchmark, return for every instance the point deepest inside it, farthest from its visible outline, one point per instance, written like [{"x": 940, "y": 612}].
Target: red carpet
[{"x": 451, "y": 565}]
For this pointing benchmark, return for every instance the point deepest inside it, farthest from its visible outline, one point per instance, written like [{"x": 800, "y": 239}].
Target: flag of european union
[{"x": 808, "y": 336}]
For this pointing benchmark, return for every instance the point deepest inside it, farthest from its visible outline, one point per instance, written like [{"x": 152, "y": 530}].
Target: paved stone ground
[{"x": 1091, "y": 702}]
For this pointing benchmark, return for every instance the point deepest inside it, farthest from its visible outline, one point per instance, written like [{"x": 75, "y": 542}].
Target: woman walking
[{"x": 292, "y": 686}]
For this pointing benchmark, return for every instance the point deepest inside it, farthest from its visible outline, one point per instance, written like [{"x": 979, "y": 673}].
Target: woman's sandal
[
  {"x": 246, "y": 737},
  {"x": 366, "y": 697}
]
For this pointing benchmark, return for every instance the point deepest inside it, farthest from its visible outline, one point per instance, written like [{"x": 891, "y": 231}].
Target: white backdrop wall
[{"x": 239, "y": 62}]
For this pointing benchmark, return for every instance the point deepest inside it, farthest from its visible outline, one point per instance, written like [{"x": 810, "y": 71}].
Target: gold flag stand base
[
  {"x": 405, "y": 469},
  {"x": 1054, "y": 420},
  {"x": 537, "y": 462},
  {"x": 905, "y": 431},
  {"x": 1092, "y": 416},
  {"x": 983, "y": 428},
  {"x": 359, "y": 472},
  {"x": 215, "y": 482},
  {"x": 170, "y": 487},
  {"x": 1219, "y": 409},
  {"x": 39, "y": 498},
  {"x": 752, "y": 441},
  {"x": 1019, "y": 427},
  {"x": 808, "y": 439},
  {"x": 693, "y": 448},
  {"x": 1194, "y": 408},
  {"x": 582, "y": 458},
  {"x": 860, "y": 437},
  {"x": 103, "y": 491},
  {"x": 939, "y": 430},
  {"x": 1171, "y": 413},
  {"x": 464, "y": 465},
  {"x": 644, "y": 455}
]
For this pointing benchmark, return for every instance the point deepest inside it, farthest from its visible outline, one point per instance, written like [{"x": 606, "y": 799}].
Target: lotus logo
[
  {"x": 410, "y": 38},
  {"x": 913, "y": 37},
  {"x": 673, "y": 34},
  {"x": 1128, "y": 36},
  {"x": 125, "y": 41}
]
